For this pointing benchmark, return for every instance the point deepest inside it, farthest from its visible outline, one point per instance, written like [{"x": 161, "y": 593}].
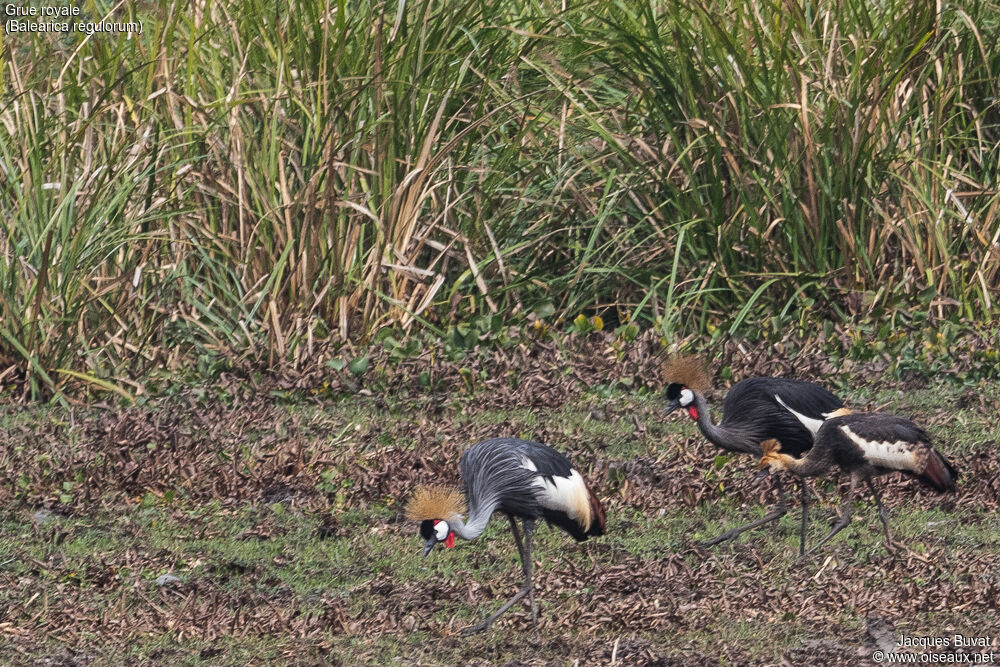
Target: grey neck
[
  {"x": 813, "y": 464},
  {"x": 478, "y": 518},
  {"x": 729, "y": 439}
]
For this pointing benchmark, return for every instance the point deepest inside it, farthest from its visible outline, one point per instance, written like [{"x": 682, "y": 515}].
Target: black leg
[
  {"x": 805, "y": 517},
  {"x": 517, "y": 538},
  {"x": 884, "y": 515},
  {"x": 779, "y": 511},
  {"x": 525, "y": 588},
  {"x": 529, "y": 565},
  {"x": 845, "y": 517}
]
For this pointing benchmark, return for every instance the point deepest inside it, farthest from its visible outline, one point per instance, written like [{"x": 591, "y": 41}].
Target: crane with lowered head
[
  {"x": 523, "y": 479},
  {"x": 866, "y": 444},
  {"x": 753, "y": 410}
]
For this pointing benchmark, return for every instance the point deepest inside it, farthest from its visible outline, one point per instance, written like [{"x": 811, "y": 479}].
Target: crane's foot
[
  {"x": 475, "y": 629},
  {"x": 485, "y": 625},
  {"x": 728, "y": 536},
  {"x": 805, "y": 556},
  {"x": 731, "y": 535}
]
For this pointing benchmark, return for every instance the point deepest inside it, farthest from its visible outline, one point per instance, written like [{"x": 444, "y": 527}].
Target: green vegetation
[
  {"x": 304, "y": 567},
  {"x": 302, "y": 254},
  {"x": 250, "y": 182}
]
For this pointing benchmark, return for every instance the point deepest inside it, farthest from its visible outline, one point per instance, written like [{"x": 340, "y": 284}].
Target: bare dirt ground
[{"x": 278, "y": 509}]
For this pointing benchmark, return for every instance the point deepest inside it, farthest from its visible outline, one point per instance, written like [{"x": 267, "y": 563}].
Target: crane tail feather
[
  {"x": 939, "y": 473},
  {"x": 597, "y": 516}
]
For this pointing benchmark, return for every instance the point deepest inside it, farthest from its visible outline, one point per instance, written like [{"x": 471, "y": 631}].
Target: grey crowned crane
[
  {"x": 525, "y": 480},
  {"x": 754, "y": 410},
  {"x": 864, "y": 445}
]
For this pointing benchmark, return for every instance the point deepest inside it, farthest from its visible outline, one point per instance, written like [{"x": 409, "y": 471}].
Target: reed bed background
[{"x": 255, "y": 181}]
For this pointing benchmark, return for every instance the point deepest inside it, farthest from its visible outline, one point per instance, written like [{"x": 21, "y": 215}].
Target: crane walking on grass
[
  {"x": 525, "y": 480},
  {"x": 865, "y": 445},
  {"x": 754, "y": 410}
]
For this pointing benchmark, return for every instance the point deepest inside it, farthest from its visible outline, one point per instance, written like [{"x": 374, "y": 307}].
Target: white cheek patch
[
  {"x": 441, "y": 531},
  {"x": 687, "y": 397}
]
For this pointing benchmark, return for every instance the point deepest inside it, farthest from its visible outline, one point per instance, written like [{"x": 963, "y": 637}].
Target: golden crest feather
[
  {"x": 688, "y": 371},
  {"x": 435, "y": 502},
  {"x": 770, "y": 446},
  {"x": 772, "y": 456}
]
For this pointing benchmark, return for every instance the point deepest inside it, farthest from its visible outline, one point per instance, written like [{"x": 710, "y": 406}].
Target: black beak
[
  {"x": 428, "y": 546},
  {"x": 671, "y": 406}
]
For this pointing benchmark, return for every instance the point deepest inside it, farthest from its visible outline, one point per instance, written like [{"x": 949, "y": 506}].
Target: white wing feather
[
  {"x": 810, "y": 423},
  {"x": 564, "y": 494},
  {"x": 897, "y": 455}
]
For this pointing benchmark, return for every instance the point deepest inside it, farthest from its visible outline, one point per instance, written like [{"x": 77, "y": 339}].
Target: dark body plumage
[
  {"x": 495, "y": 469},
  {"x": 499, "y": 459},
  {"x": 893, "y": 443},
  {"x": 865, "y": 445},
  {"x": 757, "y": 409},
  {"x": 525, "y": 480},
  {"x": 751, "y": 407}
]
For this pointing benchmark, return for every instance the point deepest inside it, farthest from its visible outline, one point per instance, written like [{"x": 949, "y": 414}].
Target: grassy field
[
  {"x": 280, "y": 514},
  {"x": 260, "y": 183},
  {"x": 266, "y": 267}
]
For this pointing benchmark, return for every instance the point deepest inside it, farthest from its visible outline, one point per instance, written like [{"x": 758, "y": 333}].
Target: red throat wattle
[{"x": 693, "y": 411}]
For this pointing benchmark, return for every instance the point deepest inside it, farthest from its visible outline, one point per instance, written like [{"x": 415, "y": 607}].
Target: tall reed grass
[
  {"x": 250, "y": 180},
  {"x": 834, "y": 149}
]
